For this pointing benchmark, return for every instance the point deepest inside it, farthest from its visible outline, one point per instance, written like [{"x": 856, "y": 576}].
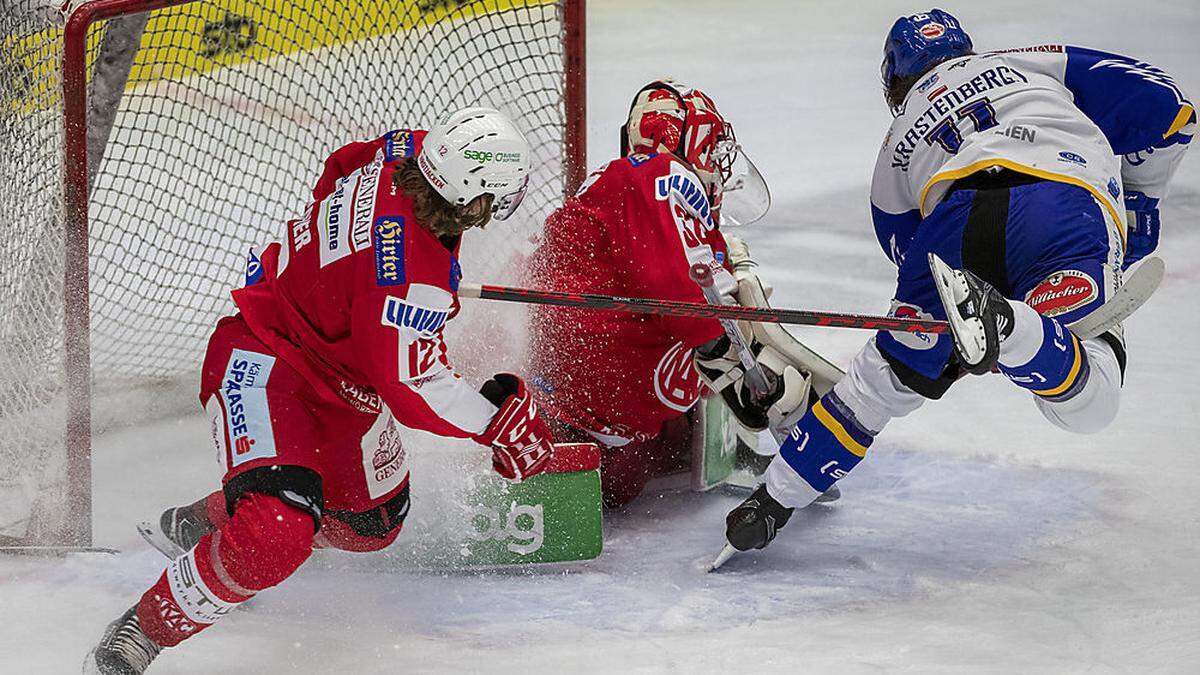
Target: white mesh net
[
  {"x": 230, "y": 108},
  {"x": 31, "y": 259}
]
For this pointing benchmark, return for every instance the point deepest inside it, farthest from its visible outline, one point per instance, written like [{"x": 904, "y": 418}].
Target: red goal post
[{"x": 113, "y": 138}]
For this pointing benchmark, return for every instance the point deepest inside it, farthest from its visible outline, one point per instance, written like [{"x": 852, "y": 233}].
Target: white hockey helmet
[{"x": 477, "y": 151}]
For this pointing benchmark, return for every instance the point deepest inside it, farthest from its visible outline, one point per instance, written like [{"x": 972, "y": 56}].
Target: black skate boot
[
  {"x": 754, "y": 523},
  {"x": 178, "y": 529},
  {"x": 980, "y": 318},
  {"x": 124, "y": 649}
]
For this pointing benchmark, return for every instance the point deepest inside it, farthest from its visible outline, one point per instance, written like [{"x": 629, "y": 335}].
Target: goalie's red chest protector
[{"x": 634, "y": 229}]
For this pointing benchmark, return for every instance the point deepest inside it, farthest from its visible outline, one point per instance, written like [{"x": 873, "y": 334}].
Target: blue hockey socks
[
  {"x": 1043, "y": 356},
  {"x": 826, "y": 443}
]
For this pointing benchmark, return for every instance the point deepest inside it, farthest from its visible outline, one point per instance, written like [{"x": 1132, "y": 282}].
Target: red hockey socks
[{"x": 263, "y": 543}]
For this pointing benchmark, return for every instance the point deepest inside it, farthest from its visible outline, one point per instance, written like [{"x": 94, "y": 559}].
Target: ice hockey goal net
[{"x": 147, "y": 144}]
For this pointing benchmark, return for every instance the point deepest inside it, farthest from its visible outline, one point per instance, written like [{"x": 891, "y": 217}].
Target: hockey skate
[
  {"x": 177, "y": 530},
  {"x": 124, "y": 649},
  {"x": 979, "y": 317}
]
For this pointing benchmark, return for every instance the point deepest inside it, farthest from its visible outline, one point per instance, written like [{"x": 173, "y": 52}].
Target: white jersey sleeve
[{"x": 1143, "y": 113}]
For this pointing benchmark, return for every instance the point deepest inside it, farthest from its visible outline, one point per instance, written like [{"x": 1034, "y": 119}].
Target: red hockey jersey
[
  {"x": 635, "y": 229},
  {"x": 357, "y": 296}
]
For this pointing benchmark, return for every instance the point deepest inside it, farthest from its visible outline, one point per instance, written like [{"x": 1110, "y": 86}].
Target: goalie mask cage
[{"x": 148, "y": 144}]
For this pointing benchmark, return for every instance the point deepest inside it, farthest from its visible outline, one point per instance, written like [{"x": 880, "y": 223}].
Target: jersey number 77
[{"x": 980, "y": 112}]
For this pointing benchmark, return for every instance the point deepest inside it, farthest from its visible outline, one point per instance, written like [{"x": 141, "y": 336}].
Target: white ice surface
[{"x": 976, "y": 537}]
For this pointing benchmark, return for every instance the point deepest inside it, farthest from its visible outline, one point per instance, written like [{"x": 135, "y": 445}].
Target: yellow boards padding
[{"x": 203, "y": 36}]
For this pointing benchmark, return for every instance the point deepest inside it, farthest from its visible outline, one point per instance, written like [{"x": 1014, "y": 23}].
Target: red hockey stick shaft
[{"x": 800, "y": 317}]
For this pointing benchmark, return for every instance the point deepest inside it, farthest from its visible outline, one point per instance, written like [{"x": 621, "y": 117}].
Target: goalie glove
[
  {"x": 718, "y": 364},
  {"x": 520, "y": 440}
]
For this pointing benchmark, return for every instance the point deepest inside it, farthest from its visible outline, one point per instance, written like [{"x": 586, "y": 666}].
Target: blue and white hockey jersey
[{"x": 1104, "y": 122}]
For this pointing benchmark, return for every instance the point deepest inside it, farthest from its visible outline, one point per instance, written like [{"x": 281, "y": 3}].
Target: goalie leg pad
[
  {"x": 796, "y": 393},
  {"x": 752, "y": 293}
]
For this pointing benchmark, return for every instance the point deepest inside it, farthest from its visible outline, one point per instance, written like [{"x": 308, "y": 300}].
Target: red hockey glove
[{"x": 520, "y": 440}]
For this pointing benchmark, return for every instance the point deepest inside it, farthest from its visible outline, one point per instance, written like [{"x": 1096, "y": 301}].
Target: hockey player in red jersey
[
  {"x": 339, "y": 337},
  {"x": 635, "y": 228}
]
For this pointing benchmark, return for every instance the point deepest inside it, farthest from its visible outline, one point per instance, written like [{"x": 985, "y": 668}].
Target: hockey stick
[
  {"x": 1136, "y": 290},
  {"x": 800, "y": 317},
  {"x": 1128, "y": 299}
]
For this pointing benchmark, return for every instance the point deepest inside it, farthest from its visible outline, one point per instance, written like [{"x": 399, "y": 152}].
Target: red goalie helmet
[
  {"x": 667, "y": 116},
  {"x": 670, "y": 117}
]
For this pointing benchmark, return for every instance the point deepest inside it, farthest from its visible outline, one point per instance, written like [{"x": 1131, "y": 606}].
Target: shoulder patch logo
[
  {"x": 912, "y": 340},
  {"x": 688, "y": 193},
  {"x": 399, "y": 145},
  {"x": 1063, "y": 292},
  {"x": 388, "y": 232},
  {"x": 424, "y": 321}
]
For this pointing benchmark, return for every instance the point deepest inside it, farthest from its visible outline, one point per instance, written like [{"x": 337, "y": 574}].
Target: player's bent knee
[
  {"x": 1097, "y": 403},
  {"x": 366, "y": 531},
  {"x": 296, "y": 486},
  {"x": 265, "y": 541},
  {"x": 339, "y": 535}
]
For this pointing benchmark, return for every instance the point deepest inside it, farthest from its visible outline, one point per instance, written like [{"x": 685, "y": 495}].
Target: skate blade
[
  {"x": 722, "y": 558},
  {"x": 158, "y": 539},
  {"x": 969, "y": 335}
]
